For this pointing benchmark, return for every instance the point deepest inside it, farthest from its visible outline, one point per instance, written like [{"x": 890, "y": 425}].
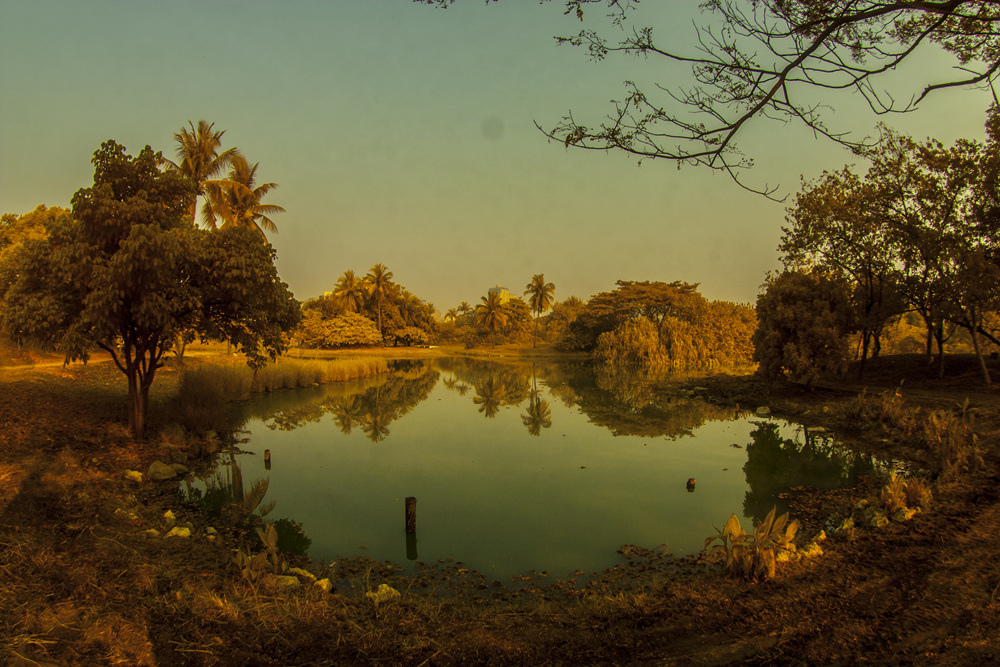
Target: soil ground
[{"x": 81, "y": 582}]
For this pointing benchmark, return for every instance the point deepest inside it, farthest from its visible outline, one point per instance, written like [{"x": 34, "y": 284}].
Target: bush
[
  {"x": 345, "y": 330},
  {"x": 409, "y": 337},
  {"x": 804, "y": 322}
]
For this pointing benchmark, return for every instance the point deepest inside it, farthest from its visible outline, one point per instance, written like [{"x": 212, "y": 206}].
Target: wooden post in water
[
  {"x": 411, "y": 514},
  {"x": 267, "y": 459}
]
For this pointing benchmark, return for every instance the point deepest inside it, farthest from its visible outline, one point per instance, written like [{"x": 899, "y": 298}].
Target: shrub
[
  {"x": 888, "y": 411},
  {"x": 753, "y": 555},
  {"x": 953, "y": 438},
  {"x": 409, "y": 336},
  {"x": 893, "y": 495}
]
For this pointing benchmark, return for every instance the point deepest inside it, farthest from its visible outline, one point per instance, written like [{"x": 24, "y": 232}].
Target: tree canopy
[
  {"x": 653, "y": 323},
  {"x": 919, "y": 231},
  {"x": 127, "y": 271}
]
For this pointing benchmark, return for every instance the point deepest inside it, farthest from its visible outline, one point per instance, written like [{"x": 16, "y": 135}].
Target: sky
[{"x": 405, "y": 135}]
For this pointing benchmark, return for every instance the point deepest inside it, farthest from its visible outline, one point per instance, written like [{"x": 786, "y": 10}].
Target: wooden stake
[{"x": 411, "y": 514}]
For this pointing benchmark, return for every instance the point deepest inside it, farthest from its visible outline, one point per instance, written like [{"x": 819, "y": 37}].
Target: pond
[{"x": 518, "y": 467}]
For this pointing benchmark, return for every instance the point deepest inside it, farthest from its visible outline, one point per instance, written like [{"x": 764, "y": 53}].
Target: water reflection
[
  {"x": 539, "y": 415},
  {"x": 631, "y": 403},
  {"x": 775, "y": 464},
  {"x": 225, "y": 496},
  {"x": 618, "y": 452},
  {"x": 371, "y": 405}
]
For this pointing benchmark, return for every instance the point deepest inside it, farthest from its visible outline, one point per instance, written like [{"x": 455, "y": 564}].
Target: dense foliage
[
  {"x": 662, "y": 324},
  {"x": 804, "y": 322},
  {"x": 350, "y": 315},
  {"x": 919, "y": 232},
  {"x": 127, "y": 272}
]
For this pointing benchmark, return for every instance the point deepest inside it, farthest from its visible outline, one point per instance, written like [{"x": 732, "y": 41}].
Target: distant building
[{"x": 502, "y": 293}]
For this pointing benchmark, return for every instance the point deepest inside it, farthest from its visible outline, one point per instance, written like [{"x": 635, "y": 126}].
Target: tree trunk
[
  {"x": 979, "y": 356},
  {"x": 940, "y": 344},
  {"x": 865, "y": 338},
  {"x": 135, "y": 424}
]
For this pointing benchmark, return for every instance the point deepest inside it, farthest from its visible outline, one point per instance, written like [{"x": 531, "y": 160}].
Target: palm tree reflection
[
  {"x": 538, "y": 416},
  {"x": 488, "y": 396}
]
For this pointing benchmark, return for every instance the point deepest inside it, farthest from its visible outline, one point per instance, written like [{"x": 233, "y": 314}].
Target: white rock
[
  {"x": 298, "y": 571},
  {"x": 763, "y": 411},
  {"x": 179, "y": 531},
  {"x": 133, "y": 476},
  {"x": 325, "y": 584}
]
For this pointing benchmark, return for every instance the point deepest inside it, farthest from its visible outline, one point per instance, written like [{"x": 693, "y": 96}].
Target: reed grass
[{"x": 211, "y": 384}]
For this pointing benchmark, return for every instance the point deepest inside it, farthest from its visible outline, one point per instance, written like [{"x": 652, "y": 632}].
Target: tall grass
[{"x": 212, "y": 384}]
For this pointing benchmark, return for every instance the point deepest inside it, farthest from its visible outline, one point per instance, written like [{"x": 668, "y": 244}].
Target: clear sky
[{"x": 405, "y": 135}]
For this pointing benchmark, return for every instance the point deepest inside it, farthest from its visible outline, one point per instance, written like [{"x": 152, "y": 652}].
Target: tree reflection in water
[
  {"x": 371, "y": 405},
  {"x": 775, "y": 464},
  {"x": 539, "y": 415}
]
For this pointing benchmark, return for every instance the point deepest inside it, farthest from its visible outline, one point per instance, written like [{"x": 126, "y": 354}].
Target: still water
[{"x": 518, "y": 467}]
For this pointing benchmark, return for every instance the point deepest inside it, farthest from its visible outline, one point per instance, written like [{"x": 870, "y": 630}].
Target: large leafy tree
[
  {"x": 237, "y": 200},
  {"x": 776, "y": 60},
  {"x": 17, "y": 233},
  {"x": 654, "y": 300},
  {"x": 540, "y": 299},
  {"x": 127, "y": 271},
  {"x": 918, "y": 231},
  {"x": 198, "y": 156},
  {"x": 838, "y": 222}
]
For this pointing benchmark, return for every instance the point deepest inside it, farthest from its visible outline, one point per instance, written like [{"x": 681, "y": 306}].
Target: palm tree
[
  {"x": 464, "y": 308},
  {"x": 349, "y": 293},
  {"x": 237, "y": 199},
  {"x": 379, "y": 281},
  {"x": 198, "y": 157},
  {"x": 491, "y": 315},
  {"x": 451, "y": 315},
  {"x": 540, "y": 299}
]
